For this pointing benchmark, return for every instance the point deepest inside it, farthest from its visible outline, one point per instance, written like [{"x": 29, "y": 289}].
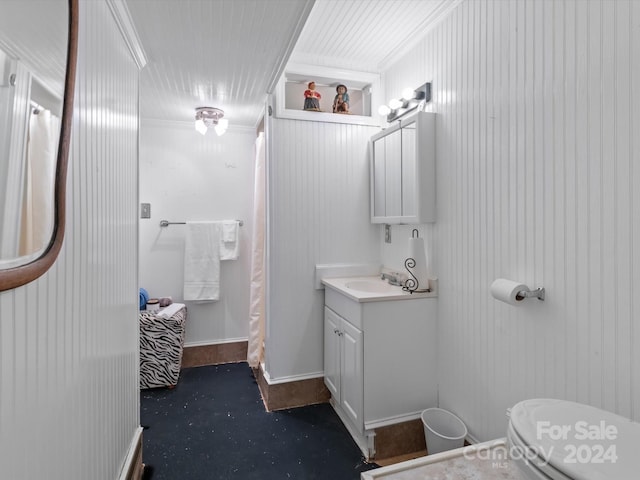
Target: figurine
[
  {"x": 341, "y": 100},
  {"x": 312, "y": 98}
]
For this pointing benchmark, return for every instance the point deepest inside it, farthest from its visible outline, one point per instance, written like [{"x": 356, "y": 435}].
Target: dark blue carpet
[{"x": 213, "y": 425}]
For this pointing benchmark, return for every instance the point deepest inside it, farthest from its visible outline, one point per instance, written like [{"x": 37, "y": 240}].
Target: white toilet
[{"x": 560, "y": 440}]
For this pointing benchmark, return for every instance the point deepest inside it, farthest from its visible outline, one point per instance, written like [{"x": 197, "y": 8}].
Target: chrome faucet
[{"x": 392, "y": 278}]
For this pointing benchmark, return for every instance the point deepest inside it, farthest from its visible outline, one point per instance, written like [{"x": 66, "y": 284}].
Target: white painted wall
[
  {"x": 537, "y": 158},
  {"x": 318, "y": 214},
  {"x": 69, "y": 403},
  {"x": 187, "y": 176}
]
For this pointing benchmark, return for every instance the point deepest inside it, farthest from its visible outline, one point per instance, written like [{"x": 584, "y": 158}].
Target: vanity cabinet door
[
  {"x": 343, "y": 366},
  {"x": 332, "y": 352},
  {"x": 352, "y": 375}
]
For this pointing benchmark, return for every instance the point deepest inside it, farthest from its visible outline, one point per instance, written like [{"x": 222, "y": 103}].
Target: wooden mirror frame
[{"x": 17, "y": 276}]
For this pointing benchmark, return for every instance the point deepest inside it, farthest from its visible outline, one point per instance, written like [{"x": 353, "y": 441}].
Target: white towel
[
  {"x": 229, "y": 231},
  {"x": 170, "y": 311},
  {"x": 229, "y": 244},
  {"x": 202, "y": 261}
]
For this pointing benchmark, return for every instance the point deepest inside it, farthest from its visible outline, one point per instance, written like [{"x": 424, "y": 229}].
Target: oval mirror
[{"x": 38, "y": 46}]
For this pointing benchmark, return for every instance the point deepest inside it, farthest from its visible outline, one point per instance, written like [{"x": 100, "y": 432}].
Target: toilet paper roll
[
  {"x": 417, "y": 252},
  {"x": 507, "y": 291}
]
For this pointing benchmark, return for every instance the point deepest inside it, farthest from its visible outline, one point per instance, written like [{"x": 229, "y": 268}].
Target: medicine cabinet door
[
  {"x": 378, "y": 177},
  {"x": 386, "y": 181},
  {"x": 409, "y": 171},
  {"x": 393, "y": 174}
]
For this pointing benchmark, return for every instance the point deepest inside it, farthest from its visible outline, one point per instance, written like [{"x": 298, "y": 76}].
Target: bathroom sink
[{"x": 373, "y": 286}]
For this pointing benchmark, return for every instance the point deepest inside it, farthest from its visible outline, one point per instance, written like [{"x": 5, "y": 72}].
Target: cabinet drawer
[{"x": 348, "y": 309}]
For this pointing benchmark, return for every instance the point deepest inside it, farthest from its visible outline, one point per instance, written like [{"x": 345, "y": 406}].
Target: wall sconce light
[
  {"x": 410, "y": 100},
  {"x": 211, "y": 117}
]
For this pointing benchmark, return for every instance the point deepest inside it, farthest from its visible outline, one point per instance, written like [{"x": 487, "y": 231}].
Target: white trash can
[{"x": 442, "y": 430}]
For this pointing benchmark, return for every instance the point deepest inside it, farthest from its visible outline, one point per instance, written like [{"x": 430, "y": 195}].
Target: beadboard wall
[
  {"x": 537, "y": 167},
  {"x": 186, "y": 176},
  {"x": 69, "y": 405},
  {"x": 318, "y": 192}
]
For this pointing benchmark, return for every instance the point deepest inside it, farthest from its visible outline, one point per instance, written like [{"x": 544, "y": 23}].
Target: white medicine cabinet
[{"x": 402, "y": 169}]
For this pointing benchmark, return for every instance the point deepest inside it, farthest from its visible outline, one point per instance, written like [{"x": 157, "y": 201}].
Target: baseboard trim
[
  {"x": 405, "y": 438},
  {"x": 214, "y": 354},
  {"x": 132, "y": 467},
  {"x": 291, "y": 378},
  {"x": 279, "y": 396},
  {"x": 400, "y": 439},
  {"x": 217, "y": 342},
  {"x": 393, "y": 420}
]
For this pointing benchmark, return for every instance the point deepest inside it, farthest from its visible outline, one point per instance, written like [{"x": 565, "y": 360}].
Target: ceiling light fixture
[{"x": 211, "y": 117}]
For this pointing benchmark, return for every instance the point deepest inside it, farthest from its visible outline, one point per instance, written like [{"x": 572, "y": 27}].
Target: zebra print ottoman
[{"x": 161, "y": 343}]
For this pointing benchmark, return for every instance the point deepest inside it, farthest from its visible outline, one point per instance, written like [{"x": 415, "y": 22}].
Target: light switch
[{"x": 145, "y": 210}]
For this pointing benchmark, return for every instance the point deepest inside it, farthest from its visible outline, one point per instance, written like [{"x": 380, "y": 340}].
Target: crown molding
[{"x": 123, "y": 19}]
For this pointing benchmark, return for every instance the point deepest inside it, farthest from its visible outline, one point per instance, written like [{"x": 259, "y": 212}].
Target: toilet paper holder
[{"x": 537, "y": 293}]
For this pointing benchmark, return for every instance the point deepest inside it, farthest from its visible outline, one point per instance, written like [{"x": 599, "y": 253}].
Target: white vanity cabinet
[
  {"x": 402, "y": 171},
  {"x": 379, "y": 358},
  {"x": 343, "y": 365}
]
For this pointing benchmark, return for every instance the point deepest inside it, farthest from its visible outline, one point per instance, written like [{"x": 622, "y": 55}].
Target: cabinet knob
[{"x": 336, "y": 331}]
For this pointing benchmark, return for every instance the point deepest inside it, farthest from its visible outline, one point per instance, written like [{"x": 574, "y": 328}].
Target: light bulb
[
  {"x": 221, "y": 126},
  {"x": 408, "y": 93},
  {"x": 384, "y": 110},
  {"x": 395, "y": 104},
  {"x": 200, "y": 126}
]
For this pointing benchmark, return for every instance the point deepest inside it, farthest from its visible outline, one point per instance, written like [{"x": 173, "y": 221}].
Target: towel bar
[{"x": 166, "y": 223}]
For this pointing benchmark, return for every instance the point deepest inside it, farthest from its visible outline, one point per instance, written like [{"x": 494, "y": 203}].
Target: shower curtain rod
[
  {"x": 166, "y": 223},
  {"x": 37, "y": 108}
]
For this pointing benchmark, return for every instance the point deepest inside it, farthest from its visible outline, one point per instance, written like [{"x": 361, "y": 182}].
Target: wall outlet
[
  {"x": 387, "y": 233},
  {"x": 145, "y": 210}
]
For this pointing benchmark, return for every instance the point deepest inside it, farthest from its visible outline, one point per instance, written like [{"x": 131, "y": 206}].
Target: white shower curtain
[
  {"x": 257, "y": 292},
  {"x": 37, "y": 203}
]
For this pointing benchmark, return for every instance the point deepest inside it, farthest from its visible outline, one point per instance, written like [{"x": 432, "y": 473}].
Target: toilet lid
[
  {"x": 582, "y": 442},
  {"x": 528, "y": 462}
]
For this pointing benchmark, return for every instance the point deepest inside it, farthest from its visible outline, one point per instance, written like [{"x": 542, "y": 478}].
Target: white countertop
[{"x": 373, "y": 289}]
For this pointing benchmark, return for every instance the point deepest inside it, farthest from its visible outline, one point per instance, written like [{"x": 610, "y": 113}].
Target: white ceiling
[
  {"x": 230, "y": 53},
  {"x": 365, "y": 35}
]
